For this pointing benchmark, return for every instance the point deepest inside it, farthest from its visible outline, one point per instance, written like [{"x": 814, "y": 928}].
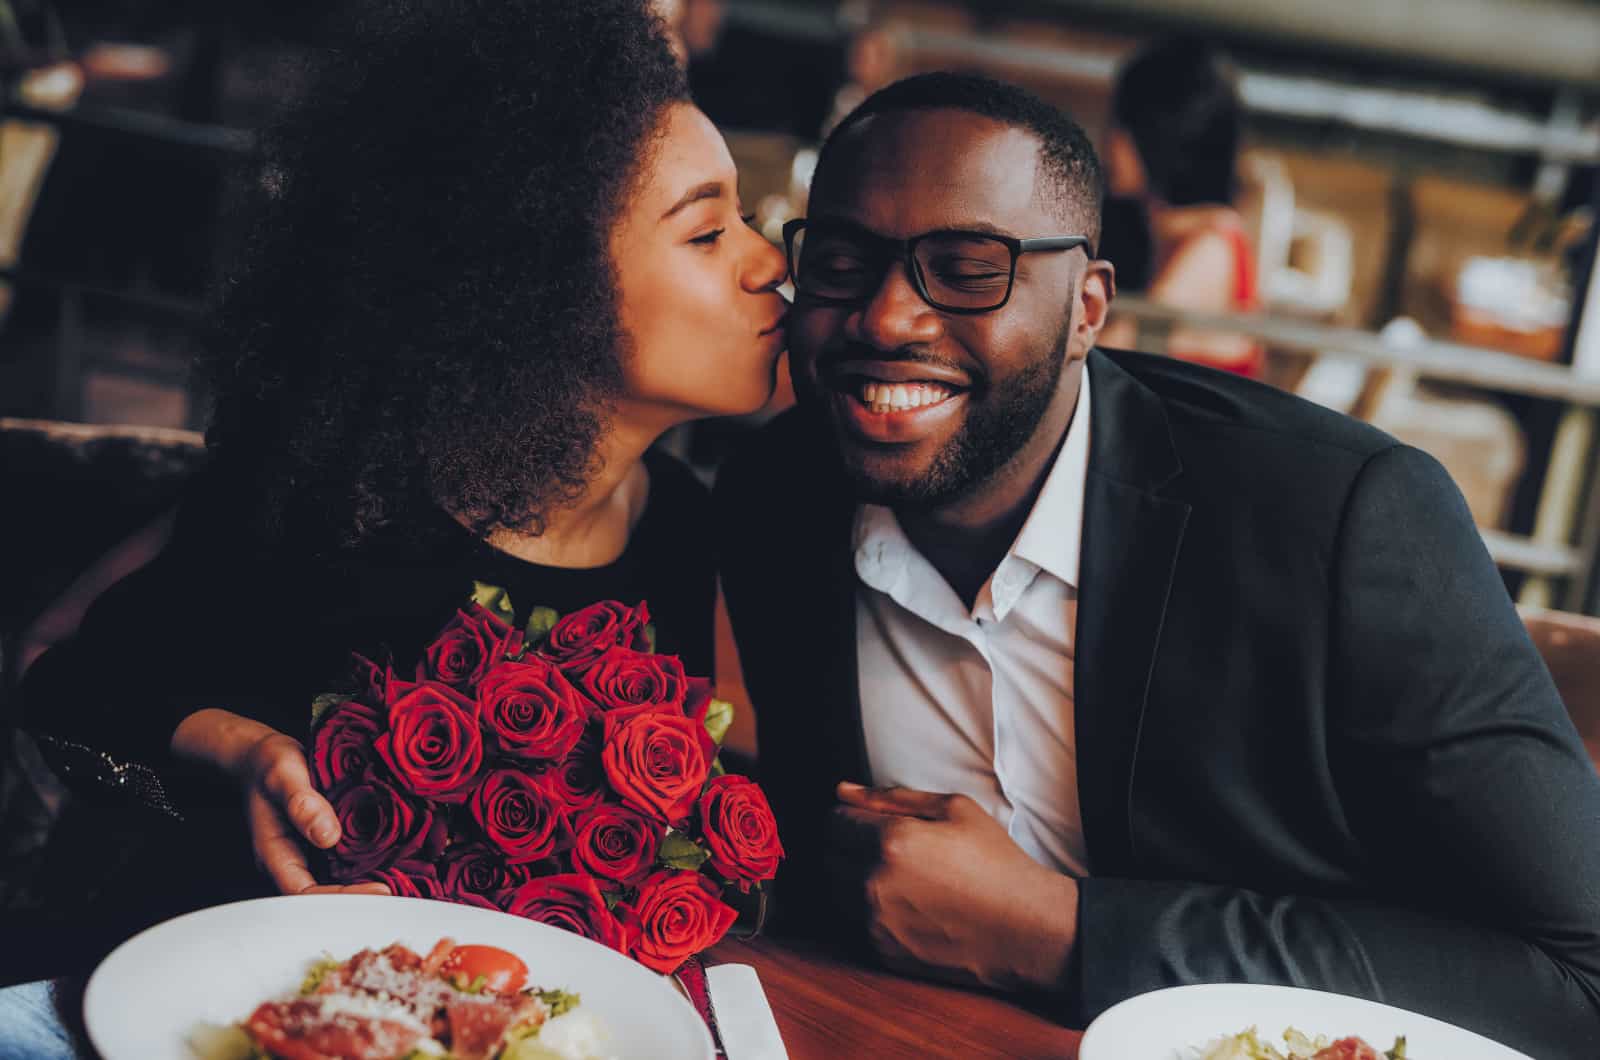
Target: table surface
[{"x": 828, "y": 1007}]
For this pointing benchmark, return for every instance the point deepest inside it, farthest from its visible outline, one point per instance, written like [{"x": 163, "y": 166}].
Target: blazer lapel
[
  {"x": 841, "y": 683},
  {"x": 1131, "y": 539}
]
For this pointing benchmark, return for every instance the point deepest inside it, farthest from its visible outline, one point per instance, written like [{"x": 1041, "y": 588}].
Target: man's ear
[{"x": 1095, "y": 294}]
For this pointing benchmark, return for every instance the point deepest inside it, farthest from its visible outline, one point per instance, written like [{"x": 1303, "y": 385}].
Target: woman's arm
[{"x": 281, "y": 804}]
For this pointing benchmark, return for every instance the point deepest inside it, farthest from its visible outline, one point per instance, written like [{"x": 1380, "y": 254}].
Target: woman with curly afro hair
[{"x": 498, "y": 254}]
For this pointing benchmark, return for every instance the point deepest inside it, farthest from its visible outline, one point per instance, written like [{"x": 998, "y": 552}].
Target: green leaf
[
  {"x": 540, "y": 622},
  {"x": 315, "y": 974},
  {"x": 678, "y": 851},
  {"x": 717, "y": 768},
  {"x": 559, "y": 1001},
  {"x": 495, "y": 599},
  {"x": 650, "y": 637},
  {"x": 326, "y": 702},
  {"x": 719, "y": 716}
]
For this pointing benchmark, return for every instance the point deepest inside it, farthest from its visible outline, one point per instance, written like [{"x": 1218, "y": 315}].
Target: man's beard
[{"x": 996, "y": 429}]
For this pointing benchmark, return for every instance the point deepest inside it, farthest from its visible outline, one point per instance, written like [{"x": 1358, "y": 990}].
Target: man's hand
[
  {"x": 281, "y": 804},
  {"x": 948, "y": 893}
]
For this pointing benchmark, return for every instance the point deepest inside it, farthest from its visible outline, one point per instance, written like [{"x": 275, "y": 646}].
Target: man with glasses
[{"x": 1157, "y": 675}]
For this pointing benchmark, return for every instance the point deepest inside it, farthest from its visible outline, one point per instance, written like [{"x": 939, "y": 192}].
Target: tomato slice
[{"x": 500, "y": 972}]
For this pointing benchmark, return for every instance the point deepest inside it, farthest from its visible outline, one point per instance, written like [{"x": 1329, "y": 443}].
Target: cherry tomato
[{"x": 499, "y": 971}]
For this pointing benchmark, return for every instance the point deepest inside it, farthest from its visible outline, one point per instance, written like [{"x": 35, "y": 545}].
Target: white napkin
[{"x": 743, "y": 1016}]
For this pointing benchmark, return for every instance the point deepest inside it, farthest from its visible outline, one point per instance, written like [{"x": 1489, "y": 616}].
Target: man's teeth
[{"x": 899, "y": 397}]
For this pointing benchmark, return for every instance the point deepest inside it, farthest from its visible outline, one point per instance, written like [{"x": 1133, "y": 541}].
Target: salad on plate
[
  {"x": 466, "y": 1002},
  {"x": 1297, "y": 1045}
]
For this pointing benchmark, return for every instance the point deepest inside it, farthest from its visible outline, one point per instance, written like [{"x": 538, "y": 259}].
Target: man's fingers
[
  {"x": 901, "y": 802},
  {"x": 285, "y": 777},
  {"x": 861, "y": 834},
  {"x": 277, "y": 847}
]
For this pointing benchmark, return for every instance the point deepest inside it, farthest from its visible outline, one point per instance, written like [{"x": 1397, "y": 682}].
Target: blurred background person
[{"x": 1172, "y": 151}]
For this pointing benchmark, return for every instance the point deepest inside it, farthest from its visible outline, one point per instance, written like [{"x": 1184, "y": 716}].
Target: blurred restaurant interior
[
  {"x": 1419, "y": 191},
  {"x": 1417, "y": 179}
]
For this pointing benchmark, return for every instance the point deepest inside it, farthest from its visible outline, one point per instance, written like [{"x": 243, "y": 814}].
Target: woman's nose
[{"x": 767, "y": 267}]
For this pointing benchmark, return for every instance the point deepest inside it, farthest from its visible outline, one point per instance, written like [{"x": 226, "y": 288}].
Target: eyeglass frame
[{"x": 906, "y": 250}]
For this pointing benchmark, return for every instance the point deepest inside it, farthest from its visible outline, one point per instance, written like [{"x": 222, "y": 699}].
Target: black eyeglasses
[{"x": 953, "y": 271}]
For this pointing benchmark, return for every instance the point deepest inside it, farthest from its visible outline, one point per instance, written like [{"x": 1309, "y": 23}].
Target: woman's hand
[{"x": 282, "y": 807}]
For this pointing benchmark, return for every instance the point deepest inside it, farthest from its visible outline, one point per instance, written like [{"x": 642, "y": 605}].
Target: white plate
[
  {"x": 1168, "y": 1024},
  {"x": 216, "y": 965}
]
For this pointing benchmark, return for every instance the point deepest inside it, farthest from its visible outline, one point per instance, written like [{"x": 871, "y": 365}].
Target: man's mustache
[{"x": 827, "y": 362}]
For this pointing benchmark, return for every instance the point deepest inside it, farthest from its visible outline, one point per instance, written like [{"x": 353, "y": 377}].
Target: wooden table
[{"x": 828, "y": 1007}]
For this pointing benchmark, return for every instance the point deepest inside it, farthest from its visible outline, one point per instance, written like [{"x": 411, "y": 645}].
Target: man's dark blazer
[{"x": 1315, "y": 744}]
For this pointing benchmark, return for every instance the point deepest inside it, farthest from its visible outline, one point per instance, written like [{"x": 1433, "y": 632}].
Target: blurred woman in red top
[{"x": 1172, "y": 148}]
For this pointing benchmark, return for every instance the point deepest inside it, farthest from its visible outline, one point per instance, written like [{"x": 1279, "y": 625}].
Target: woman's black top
[{"x": 201, "y": 626}]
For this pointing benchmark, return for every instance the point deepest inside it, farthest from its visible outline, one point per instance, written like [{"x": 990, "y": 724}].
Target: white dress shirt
[{"x": 980, "y": 702}]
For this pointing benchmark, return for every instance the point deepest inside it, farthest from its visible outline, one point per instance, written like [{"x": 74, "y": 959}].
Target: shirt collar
[{"x": 1052, "y": 537}]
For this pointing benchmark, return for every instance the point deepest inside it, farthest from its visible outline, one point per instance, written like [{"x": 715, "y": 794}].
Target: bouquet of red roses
[{"x": 557, "y": 769}]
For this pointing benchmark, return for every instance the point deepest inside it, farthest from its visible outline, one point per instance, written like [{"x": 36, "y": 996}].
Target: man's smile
[{"x": 895, "y": 402}]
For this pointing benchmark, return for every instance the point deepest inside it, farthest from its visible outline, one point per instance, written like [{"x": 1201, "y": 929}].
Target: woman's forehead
[{"x": 689, "y": 152}]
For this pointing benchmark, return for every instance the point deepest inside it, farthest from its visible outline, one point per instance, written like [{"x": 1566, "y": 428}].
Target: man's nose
[{"x": 896, "y": 315}]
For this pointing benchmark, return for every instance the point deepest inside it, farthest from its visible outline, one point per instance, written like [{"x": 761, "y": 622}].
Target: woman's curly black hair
[{"x": 425, "y": 310}]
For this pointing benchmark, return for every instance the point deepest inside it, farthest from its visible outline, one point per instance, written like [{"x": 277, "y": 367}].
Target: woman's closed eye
[{"x": 710, "y": 238}]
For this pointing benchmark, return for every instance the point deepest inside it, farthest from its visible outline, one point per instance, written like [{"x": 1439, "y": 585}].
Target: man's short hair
[{"x": 1074, "y": 182}]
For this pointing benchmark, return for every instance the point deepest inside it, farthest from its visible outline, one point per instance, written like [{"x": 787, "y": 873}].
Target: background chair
[{"x": 1570, "y": 646}]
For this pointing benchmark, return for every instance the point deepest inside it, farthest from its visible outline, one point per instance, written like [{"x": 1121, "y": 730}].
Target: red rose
[
  {"x": 466, "y": 648},
  {"x": 578, "y": 781},
  {"x": 530, "y": 711},
  {"x": 572, "y": 901},
  {"x": 623, "y": 682},
  {"x": 409, "y": 879},
  {"x": 740, "y": 830},
  {"x": 616, "y": 843},
  {"x": 520, "y": 817},
  {"x": 470, "y": 871},
  {"x": 658, "y": 763},
  {"x": 680, "y": 914},
  {"x": 342, "y": 744},
  {"x": 578, "y": 640},
  {"x": 380, "y": 827},
  {"x": 433, "y": 745}
]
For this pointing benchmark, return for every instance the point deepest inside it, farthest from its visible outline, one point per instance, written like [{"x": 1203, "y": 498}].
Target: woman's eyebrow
[{"x": 711, "y": 189}]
